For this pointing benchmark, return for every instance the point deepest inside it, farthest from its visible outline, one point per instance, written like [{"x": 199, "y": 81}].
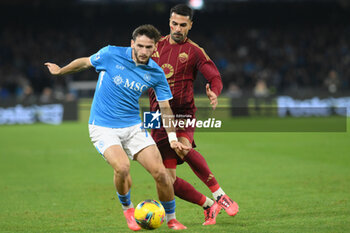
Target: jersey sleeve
[
  {"x": 210, "y": 72},
  {"x": 99, "y": 59},
  {"x": 162, "y": 89}
]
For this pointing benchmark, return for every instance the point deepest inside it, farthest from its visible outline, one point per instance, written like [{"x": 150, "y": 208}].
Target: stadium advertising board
[
  {"x": 313, "y": 107},
  {"x": 53, "y": 113}
]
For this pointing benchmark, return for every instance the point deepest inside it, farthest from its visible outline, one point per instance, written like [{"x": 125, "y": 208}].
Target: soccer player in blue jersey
[{"x": 115, "y": 125}]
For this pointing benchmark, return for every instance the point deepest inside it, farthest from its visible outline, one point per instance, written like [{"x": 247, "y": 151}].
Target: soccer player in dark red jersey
[{"x": 181, "y": 59}]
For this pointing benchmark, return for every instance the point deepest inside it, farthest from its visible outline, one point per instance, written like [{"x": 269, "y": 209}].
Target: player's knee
[
  {"x": 122, "y": 170},
  {"x": 161, "y": 176},
  {"x": 172, "y": 175},
  {"x": 172, "y": 179}
]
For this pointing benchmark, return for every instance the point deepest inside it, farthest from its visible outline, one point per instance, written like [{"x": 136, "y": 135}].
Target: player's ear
[
  {"x": 132, "y": 43},
  {"x": 190, "y": 25}
]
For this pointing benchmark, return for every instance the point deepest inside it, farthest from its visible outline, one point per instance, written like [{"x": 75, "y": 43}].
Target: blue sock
[
  {"x": 169, "y": 206},
  {"x": 124, "y": 199}
]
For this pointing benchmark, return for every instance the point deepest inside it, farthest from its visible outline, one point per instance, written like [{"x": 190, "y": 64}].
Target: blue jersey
[{"x": 120, "y": 85}]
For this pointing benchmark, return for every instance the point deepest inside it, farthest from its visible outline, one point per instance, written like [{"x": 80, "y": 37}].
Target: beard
[
  {"x": 138, "y": 58},
  {"x": 178, "y": 37}
]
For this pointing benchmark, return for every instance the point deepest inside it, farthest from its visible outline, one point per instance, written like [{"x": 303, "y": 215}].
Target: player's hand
[
  {"x": 212, "y": 96},
  {"x": 53, "y": 68},
  {"x": 178, "y": 146}
]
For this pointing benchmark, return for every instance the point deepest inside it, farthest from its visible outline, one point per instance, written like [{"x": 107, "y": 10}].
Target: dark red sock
[
  {"x": 200, "y": 168},
  {"x": 187, "y": 192}
]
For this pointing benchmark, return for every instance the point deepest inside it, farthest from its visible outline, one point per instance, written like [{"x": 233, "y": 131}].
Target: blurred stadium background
[
  {"x": 264, "y": 49},
  {"x": 272, "y": 54}
]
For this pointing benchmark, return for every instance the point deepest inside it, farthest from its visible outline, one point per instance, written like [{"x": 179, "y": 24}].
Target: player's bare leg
[
  {"x": 118, "y": 159},
  {"x": 172, "y": 174},
  {"x": 120, "y": 162},
  {"x": 125, "y": 185},
  {"x": 200, "y": 167},
  {"x": 151, "y": 160}
]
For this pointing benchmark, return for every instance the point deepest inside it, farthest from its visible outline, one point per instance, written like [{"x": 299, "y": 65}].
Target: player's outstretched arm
[
  {"x": 77, "y": 65},
  {"x": 212, "y": 96},
  {"x": 168, "y": 115}
]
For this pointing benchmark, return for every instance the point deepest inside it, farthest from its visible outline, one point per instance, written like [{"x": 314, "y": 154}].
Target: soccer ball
[{"x": 149, "y": 214}]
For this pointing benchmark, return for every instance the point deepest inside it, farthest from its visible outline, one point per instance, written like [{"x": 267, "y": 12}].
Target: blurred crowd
[
  {"x": 263, "y": 60},
  {"x": 283, "y": 60}
]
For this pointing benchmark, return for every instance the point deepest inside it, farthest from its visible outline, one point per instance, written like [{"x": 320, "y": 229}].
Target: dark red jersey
[{"x": 180, "y": 63}]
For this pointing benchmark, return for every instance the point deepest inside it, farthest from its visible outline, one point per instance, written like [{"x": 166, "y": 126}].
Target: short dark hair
[
  {"x": 148, "y": 30},
  {"x": 182, "y": 9}
]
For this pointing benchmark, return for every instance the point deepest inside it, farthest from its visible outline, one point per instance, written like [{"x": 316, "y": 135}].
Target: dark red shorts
[{"x": 169, "y": 156}]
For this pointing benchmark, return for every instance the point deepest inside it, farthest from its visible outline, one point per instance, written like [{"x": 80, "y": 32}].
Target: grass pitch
[{"x": 53, "y": 180}]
